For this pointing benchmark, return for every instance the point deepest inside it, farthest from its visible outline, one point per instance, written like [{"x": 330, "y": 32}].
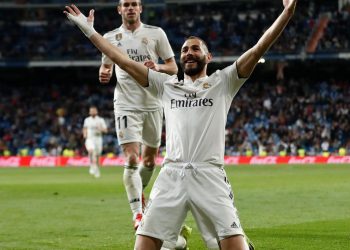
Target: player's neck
[
  {"x": 132, "y": 26},
  {"x": 195, "y": 77}
]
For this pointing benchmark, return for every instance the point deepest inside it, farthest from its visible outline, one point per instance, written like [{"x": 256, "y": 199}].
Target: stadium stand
[{"x": 42, "y": 33}]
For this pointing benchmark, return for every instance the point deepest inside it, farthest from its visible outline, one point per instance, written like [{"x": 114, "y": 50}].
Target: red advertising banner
[{"x": 51, "y": 161}]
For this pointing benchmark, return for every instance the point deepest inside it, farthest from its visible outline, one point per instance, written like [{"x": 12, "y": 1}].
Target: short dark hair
[
  {"x": 120, "y": 2},
  {"x": 200, "y": 39}
]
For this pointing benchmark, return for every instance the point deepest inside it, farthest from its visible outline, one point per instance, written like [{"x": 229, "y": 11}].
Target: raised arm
[
  {"x": 247, "y": 62},
  {"x": 138, "y": 71}
]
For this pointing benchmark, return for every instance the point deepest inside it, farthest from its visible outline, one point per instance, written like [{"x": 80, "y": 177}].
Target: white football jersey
[
  {"x": 145, "y": 43},
  {"x": 196, "y": 113},
  {"x": 94, "y": 126}
]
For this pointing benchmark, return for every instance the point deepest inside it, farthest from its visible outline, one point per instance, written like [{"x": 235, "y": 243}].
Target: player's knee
[
  {"x": 145, "y": 242},
  {"x": 235, "y": 242},
  {"x": 148, "y": 162},
  {"x": 132, "y": 159}
]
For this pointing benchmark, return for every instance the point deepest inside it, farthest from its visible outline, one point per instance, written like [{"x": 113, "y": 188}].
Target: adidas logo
[
  {"x": 134, "y": 200},
  {"x": 234, "y": 225}
]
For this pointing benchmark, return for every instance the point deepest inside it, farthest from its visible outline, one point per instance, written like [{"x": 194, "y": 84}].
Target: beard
[{"x": 193, "y": 70}]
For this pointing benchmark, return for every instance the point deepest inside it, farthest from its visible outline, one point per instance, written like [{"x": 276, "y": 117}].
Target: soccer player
[
  {"x": 93, "y": 129},
  {"x": 192, "y": 177},
  {"x": 138, "y": 114}
]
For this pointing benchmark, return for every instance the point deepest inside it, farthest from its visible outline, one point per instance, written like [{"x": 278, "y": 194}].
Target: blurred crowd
[
  {"x": 290, "y": 117},
  {"x": 266, "y": 118},
  {"x": 229, "y": 29},
  {"x": 50, "y": 118}
]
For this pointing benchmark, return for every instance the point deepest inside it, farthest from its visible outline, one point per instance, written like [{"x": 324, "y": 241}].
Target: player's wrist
[
  {"x": 83, "y": 24},
  {"x": 90, "y": 32}
]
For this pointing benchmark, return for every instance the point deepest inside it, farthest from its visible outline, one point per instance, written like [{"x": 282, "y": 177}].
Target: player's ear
[
  {"x": 118, "y": 9},
  {"x": 209, "y": 56}
]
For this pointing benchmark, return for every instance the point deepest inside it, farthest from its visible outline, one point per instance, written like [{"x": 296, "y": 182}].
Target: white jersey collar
[
  {"x": 125, "y": 30},
  {"x": 196, "y": 82}
]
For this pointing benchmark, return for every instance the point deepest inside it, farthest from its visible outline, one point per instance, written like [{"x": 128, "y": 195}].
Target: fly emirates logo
[
  {"x": 191, "y": 101},
  {"x": 134, "y": 55}
]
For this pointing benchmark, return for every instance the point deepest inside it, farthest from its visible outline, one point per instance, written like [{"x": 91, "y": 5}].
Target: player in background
[
  {"x": 192, "y": 177},
  {"x": 138, "y": 114},
  {"x": 93, "y": 129}
]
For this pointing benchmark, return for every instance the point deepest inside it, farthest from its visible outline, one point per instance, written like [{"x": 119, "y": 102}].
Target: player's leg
[
  {"x": 132, "y": 180},
  {"x": 223, "y": 227},
  {"x": 147, "y": 243},
  {"x": 92, "y": 168},
  {"x": 166, "y": 209},
  {"x": 149, "y": 157},
  {"x": 96, "y": 155},
  {"x": 90, "y": 147},
  {"x": 235, "y": 242},
  {"x": 151, "y": 133},
  {"x": 129, "y": 132},
  {"x": 146, "y": 167}
]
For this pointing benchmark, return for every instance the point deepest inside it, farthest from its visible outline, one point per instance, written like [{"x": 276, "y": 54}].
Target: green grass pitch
[{"x": 281, "y": 207}]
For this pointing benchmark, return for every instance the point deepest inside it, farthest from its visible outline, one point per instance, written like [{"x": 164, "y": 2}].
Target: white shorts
[
  {"x": 202, "y": 189},
  {"x": 94, "y": 144},
  {"x": 142, "y": 127}
]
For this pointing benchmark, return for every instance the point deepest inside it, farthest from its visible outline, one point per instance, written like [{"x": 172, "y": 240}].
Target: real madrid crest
[
  {"x": 119, "y": 36},
  {"x": 206, "y": 85},
  {"x": 144, "y": 40}
]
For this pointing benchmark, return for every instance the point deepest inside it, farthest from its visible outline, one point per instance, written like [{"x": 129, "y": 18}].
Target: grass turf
[{"x": 281, "y": 207}]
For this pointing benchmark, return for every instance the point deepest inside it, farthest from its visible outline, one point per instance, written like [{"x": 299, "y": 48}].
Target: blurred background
[{"x": 297, "y": 102}]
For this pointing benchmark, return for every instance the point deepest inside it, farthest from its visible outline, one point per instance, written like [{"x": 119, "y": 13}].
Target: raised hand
[
  {"x": 105, "y": 75},
  {"x": 290, "y": 5},
  {"x": 151, "y": 65},
  {"x": 85, "y": 24}
]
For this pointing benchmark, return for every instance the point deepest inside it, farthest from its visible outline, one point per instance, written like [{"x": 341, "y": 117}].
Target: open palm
[{"x": 86, "y": 24}]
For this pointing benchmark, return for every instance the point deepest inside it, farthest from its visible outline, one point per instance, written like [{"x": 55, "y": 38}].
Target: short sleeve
[
  {"x": 163, "y": 47},
  {"x": 85, "y": 123},
  {"x": 105, "y": 59},
  {"x": 156, "y": 82},
  {"x": 233, "y": 82}
]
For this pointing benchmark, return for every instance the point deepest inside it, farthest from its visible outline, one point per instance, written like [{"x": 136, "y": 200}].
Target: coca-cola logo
[
  {"x": 83, "y": 161},
  {"x": 232, "y": 160},
  {"x": 115, "y": 161},
  {"x": 264, "y": 160},
  {"x": 42, "y": 162},
  {"x": 10, "y": 161},
  {"x": 338, "y": 159},
  {"x": 302, "y": 160}
]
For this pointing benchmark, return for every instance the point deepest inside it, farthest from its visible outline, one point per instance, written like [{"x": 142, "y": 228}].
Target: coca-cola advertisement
[
  {"x": 12, "y": 161},
  {"x": 51, "y": 161},
  {"x": 43, "y": 161}
]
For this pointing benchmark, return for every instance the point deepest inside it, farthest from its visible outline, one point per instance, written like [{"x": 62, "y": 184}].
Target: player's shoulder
[
  {"x": 231, "y": 69},
  {"x": 87, "y": 119},
  {"x": 151, "y": 27},
  {"x": 112, "y": 32},
  {"x": 172, "y": 80}
]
